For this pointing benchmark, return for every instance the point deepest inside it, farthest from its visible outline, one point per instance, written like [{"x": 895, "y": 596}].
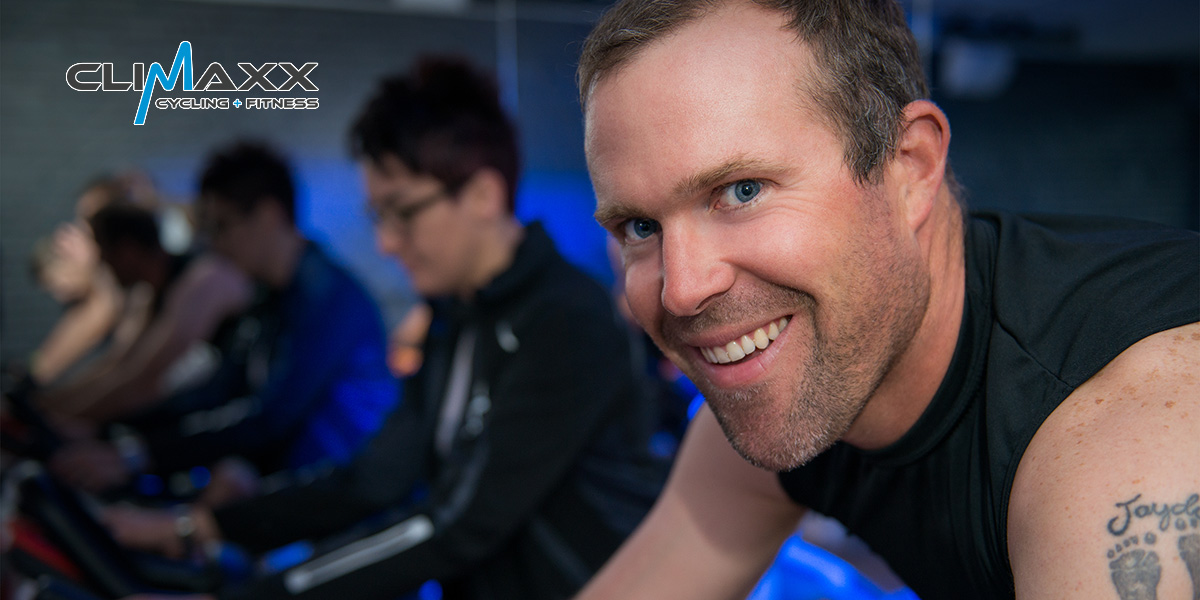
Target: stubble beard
[
  {"x": 786, "y": 421},
  {"x": 781, "y": 424}
]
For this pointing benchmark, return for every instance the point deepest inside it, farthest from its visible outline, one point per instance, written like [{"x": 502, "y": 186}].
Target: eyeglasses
[{"x": 400, "y": 217}]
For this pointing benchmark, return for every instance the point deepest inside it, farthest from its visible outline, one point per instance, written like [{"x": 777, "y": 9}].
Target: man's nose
[
  {"x": 694, "y": 270},
  {"x": 387, "y": 240}
]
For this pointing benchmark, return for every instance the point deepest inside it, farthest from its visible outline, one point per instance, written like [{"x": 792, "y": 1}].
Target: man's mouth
[{"x": 745, "y": 345}]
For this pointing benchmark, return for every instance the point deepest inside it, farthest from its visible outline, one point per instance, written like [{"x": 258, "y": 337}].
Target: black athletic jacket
[{"x": 547, "y": 475}]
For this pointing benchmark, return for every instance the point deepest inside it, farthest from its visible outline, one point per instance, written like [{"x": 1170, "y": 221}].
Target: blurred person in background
[
  {"x": 99, "y": 315},
  {"x": 300, "y": 379},
  {"x": 92, "y": 304},
  {"x": 526, "y": 426}
]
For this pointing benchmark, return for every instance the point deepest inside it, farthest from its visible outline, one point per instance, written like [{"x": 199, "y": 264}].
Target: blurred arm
[
  {"x": 712, "y": 533},
  {"x": 211, "y": 290},
  {"x": 80, "y": 329}
]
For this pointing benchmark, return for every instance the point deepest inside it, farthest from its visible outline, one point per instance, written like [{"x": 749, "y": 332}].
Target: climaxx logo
[{"x": 214, "y": 79}]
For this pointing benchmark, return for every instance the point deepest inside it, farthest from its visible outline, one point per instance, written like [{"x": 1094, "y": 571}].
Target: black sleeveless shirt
[{"x": 1049, "y": 302}]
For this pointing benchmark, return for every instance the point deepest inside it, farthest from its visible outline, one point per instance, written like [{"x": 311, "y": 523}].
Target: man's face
[
  {"x": 421, "y": 224},
  {"x": 780, "y": 286},
  {"x": 239, "y": 237}
]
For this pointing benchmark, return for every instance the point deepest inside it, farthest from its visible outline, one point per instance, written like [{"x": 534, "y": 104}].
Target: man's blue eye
[
  {"x": 741, "y": 192},
  {"x": 640, "y": 229}
]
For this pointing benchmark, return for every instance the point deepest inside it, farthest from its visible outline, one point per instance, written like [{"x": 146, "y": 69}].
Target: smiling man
[{"x": 976, "y": 396}]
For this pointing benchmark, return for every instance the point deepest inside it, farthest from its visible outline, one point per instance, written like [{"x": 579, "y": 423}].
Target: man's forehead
[
  {"x": 718, "y": 58},
  {"x": 716, "y": 30},
  {"x": 709, "y": 96}
]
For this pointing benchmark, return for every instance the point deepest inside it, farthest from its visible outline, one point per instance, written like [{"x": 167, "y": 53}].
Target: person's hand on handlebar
[{"x": 172, "y": 533}]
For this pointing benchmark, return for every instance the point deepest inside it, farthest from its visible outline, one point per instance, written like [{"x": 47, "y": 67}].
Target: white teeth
[
  {"x": 746, "y": 345},
  {"x": 760, "y": 338}
]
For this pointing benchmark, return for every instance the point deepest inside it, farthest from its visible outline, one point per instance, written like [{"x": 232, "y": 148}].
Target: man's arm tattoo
[{"x": 1137, "y": 527}]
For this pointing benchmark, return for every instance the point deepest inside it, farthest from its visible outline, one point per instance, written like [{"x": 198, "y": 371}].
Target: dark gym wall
[
  {"x": 54, "y": 139},
  {"x": 1111, "y": 139},
  {"x": 1097, "y": 125}
]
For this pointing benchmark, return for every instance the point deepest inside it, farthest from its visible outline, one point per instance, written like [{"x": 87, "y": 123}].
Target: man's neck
[
  {"x": 282, "y": 259},
  {"x": 914, "y": 379},
  {"x": 498, "y": 250}
]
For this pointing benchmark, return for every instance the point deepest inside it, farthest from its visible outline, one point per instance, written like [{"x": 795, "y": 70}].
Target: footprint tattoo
[
  {"x": 1136, "y": 571},
  {"x": 1189, "y": 551}
]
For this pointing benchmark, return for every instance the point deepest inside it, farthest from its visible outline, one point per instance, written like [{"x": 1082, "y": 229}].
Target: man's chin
[
  {"x": 780, "y": 457},
  {"x": 770, "y": 446}
]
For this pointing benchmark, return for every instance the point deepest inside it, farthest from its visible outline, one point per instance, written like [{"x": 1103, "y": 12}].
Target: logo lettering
[
  {"x": 298, "y": 76},
  {"x": 215, "y": 79},
  {"x": 73, "y": 80},
  {"x": 102, "y": 76},
  {"x": 182, "y": 67},
  {"x": 257, "y": 76}
]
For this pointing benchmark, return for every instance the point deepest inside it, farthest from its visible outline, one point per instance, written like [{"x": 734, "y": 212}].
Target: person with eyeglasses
[{"x": 520, "y": 459}]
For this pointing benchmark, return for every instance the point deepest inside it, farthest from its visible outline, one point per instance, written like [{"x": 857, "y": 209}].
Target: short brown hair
[{"x": 868, "y": 61}]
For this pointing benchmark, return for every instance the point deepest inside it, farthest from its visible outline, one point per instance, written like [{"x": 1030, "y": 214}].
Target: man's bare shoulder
[{"x": 1106, "y": 500}]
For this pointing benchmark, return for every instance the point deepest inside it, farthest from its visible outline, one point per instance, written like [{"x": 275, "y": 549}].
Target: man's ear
[
  {"x": 486, "y": 193},
  {"x": 920, "y": 161}
]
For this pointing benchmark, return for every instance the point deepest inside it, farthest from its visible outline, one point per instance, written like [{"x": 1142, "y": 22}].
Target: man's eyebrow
[
  {"x": 611, "y": 212},
  {"x": 702, "y": 182}
]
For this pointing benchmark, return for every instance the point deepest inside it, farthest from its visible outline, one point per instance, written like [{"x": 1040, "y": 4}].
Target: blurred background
[{"x": 1072, "y": 106}]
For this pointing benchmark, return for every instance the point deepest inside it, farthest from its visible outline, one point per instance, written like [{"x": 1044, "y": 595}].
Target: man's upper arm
[
  {"x": 1106, "y": 501},
  {"x": 711, "y": 534},
  {"x": 209, "y": 291}
]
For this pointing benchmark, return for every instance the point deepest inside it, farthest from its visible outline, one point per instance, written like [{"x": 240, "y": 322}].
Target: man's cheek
[{"x": 643, "y": 290}]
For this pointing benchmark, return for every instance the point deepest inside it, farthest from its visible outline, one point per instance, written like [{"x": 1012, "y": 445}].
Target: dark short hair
[
  {"x": 245, "y": 174},
  {"x": 125, "y": 223},
  {"x": 442, "y": 119},
  {"x": 869, "y": 67}
]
